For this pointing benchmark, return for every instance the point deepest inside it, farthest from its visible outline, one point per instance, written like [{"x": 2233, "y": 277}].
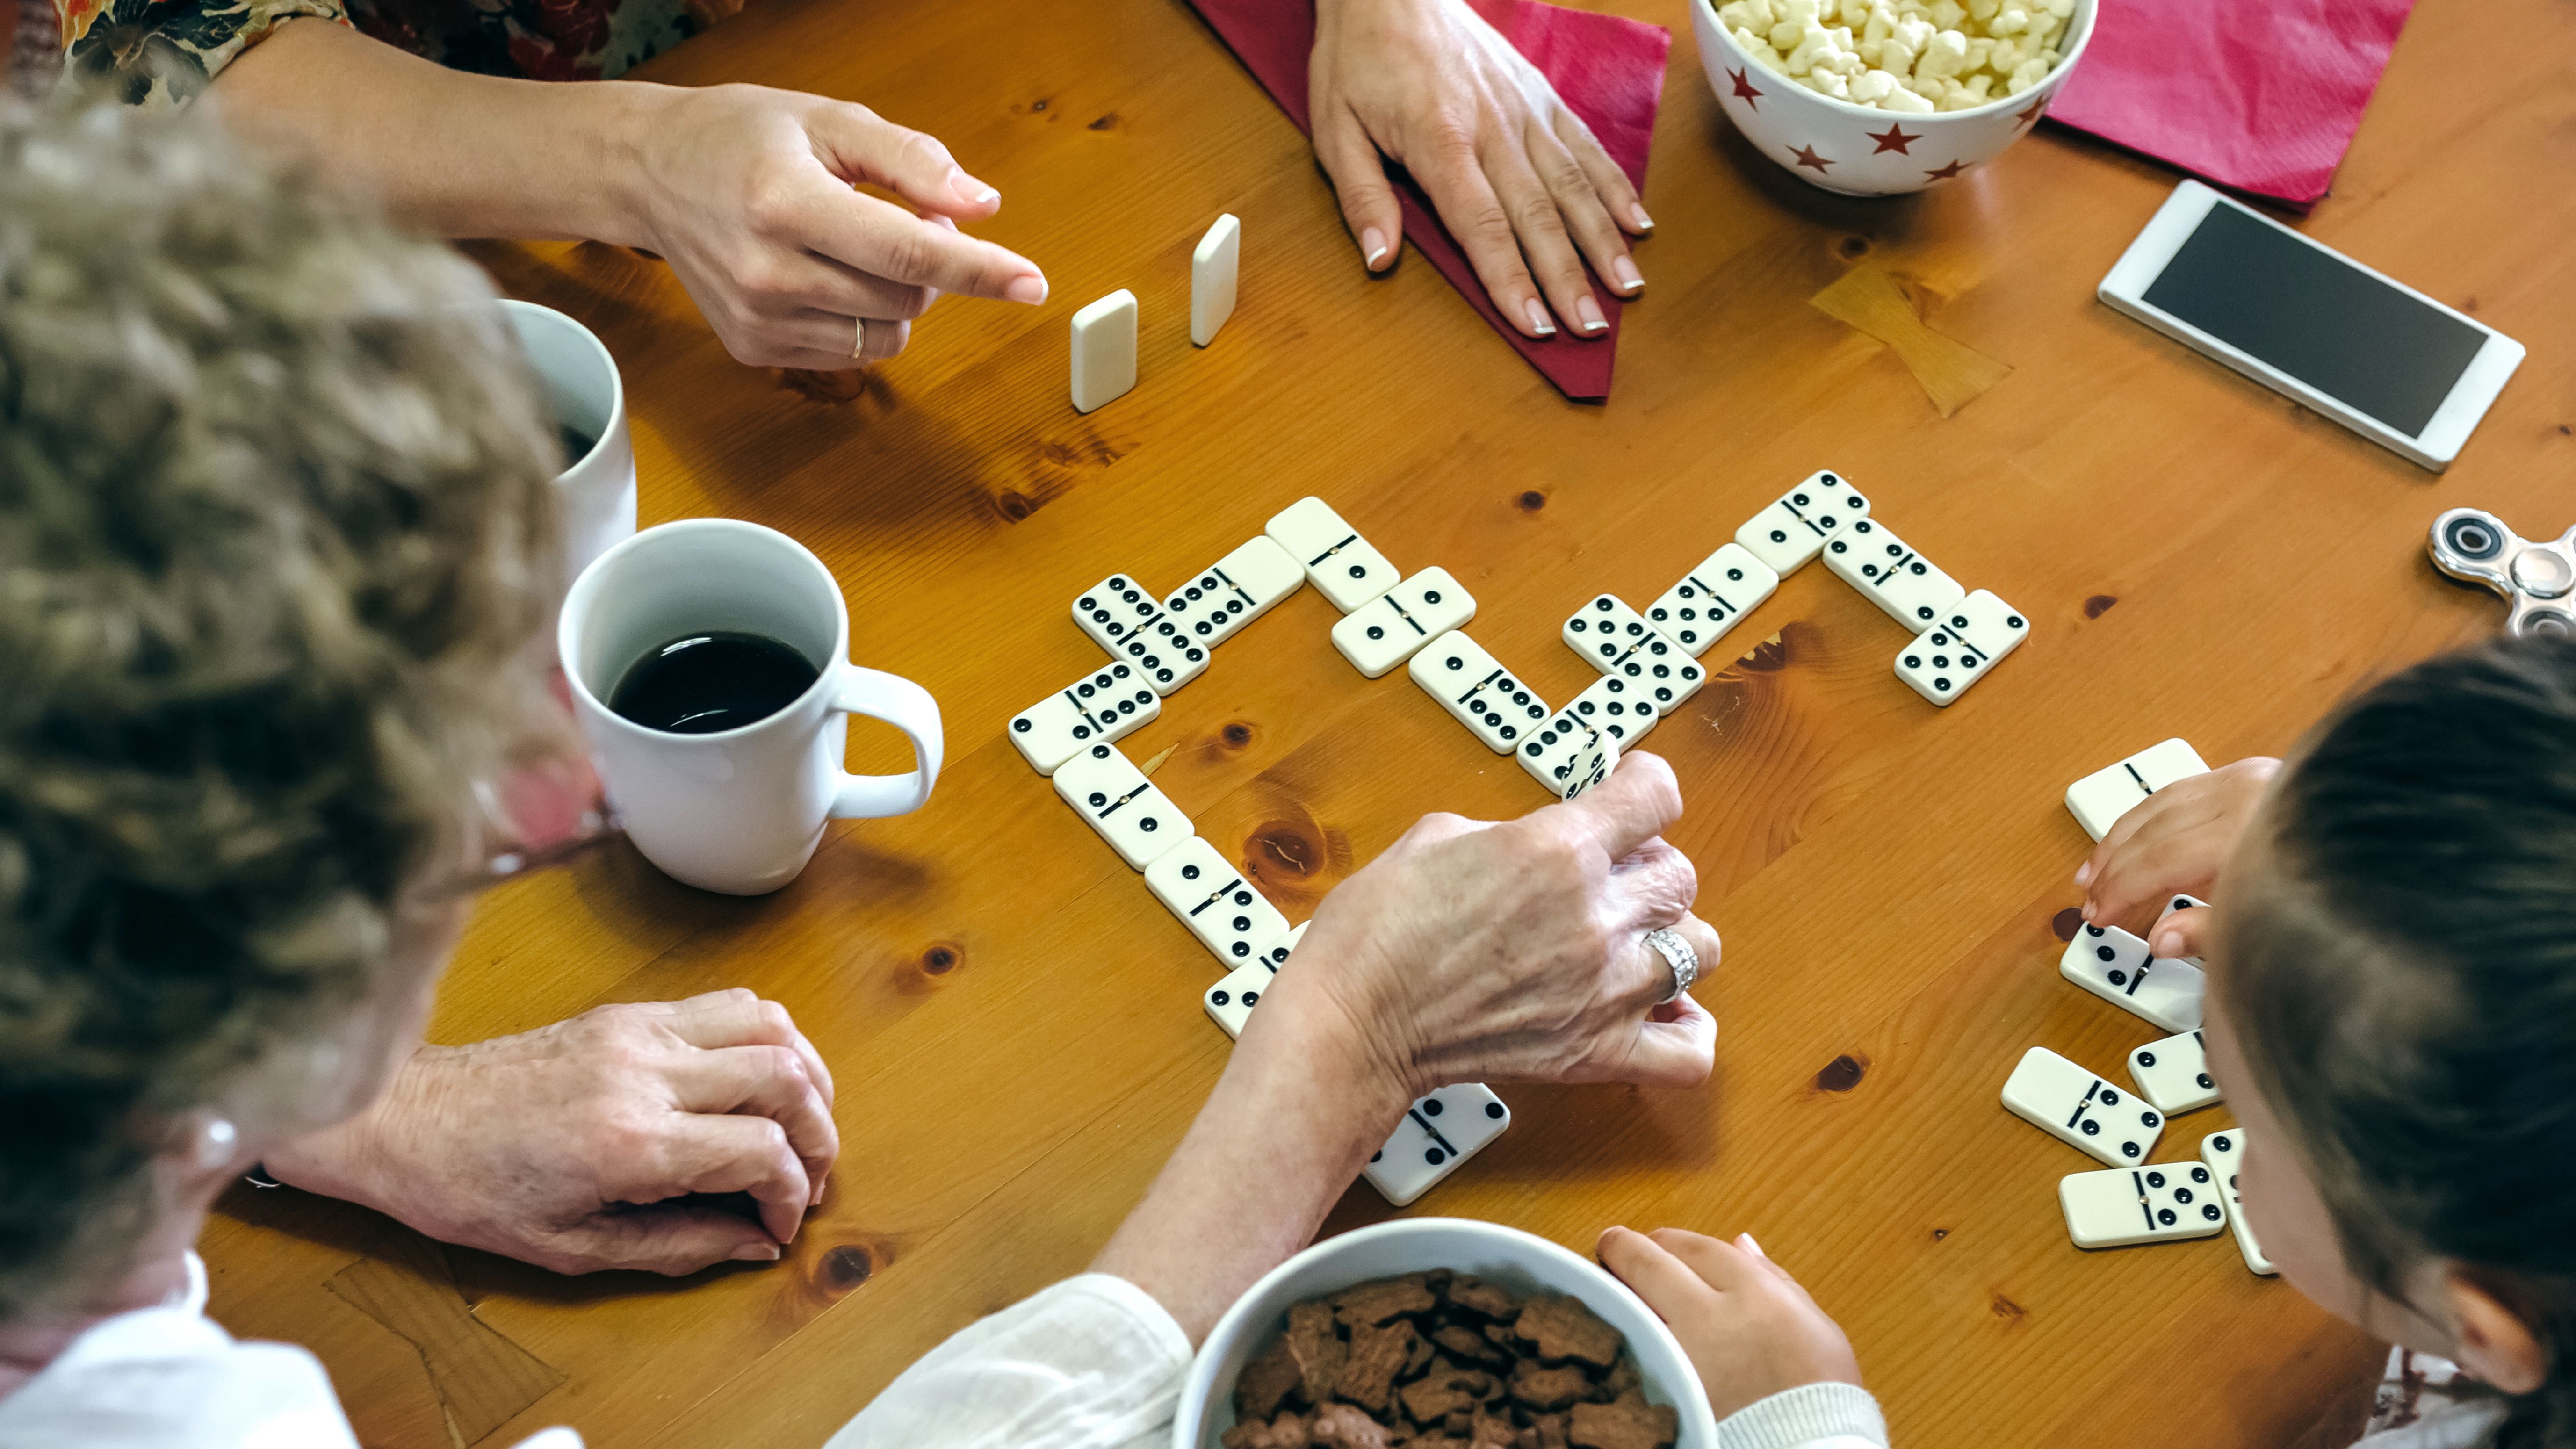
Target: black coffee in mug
[{"x": 700, "y": 683}]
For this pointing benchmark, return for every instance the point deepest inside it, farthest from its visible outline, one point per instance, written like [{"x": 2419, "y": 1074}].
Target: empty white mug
[
  {"x": 595, "y": 493},
  {"x": 738, "y": 811}
]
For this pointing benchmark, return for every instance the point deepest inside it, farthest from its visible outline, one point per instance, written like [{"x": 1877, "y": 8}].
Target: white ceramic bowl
[
  {"x": 1516, "y": 1260},
  {"x": 1860, "y": 150}
]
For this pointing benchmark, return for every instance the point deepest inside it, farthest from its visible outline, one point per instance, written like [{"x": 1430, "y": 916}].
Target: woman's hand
[
  {"x": 1748, "y": 1327},
  {"x": 747, "y": 193},
  {"x": 565, "y": 1146},
  {"x": 2173, "y": 843},
  {"x": 1517, "y": 177},
  {"x": 1474, "y": 951}
]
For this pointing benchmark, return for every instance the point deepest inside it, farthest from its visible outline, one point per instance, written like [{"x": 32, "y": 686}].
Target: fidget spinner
[{"x": 2536, "y": 578}]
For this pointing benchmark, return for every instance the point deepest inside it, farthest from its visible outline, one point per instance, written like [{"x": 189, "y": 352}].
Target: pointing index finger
[{"x": 884, "y": 240}]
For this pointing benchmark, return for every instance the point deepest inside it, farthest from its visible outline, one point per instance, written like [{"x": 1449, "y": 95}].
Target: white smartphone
[{"x": 2308, "y": 322}]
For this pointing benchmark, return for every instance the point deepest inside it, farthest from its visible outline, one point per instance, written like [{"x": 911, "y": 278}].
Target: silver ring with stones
[
  {"x": 1677, "y": 954},
  {"x": 859, "y": 337}
]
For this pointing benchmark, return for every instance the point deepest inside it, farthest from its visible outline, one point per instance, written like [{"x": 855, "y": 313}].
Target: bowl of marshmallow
[{"x": 1881, "y": 97}]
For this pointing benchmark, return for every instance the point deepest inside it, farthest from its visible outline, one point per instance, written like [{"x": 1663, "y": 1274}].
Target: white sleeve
[
  {"x": 1811, "y": 1416},
  {"x": 1091, "y": 1363}
]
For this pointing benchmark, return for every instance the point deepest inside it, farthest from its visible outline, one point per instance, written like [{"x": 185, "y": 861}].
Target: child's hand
[
  {"x": 1748, "y": 1327},
  {"x": 2173, "y": 844}
]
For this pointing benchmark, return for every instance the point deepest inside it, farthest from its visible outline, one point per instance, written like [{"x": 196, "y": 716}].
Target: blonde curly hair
[{"x": 275, "y": 525}]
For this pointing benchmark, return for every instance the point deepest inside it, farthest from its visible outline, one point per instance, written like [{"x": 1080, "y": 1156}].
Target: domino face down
[
  {"x": 2174, "y": 1074},
  {"x": 1388, "y": 630},
  {"x": 2159, "y": 1202},
  {"x": 1105, "y": 705},
  {"x": 1212, "y": 898},
  {"x": 1104, "y": 350},
  {"x": 1478, "y": 691},
  {"x": 2122, "y": 970},
  {"x": 1889, "y": 573},
  {"x": 1438, "y": 1133},
  {"x": 1113, "y": 797},
  {"x": 1128, "y": 622},
  {"x": 1793, "y": 530},
  {"x": 2081, "y": 1110},
  {"x": 2099, "y": 800},
  {"x": 1958, "y": 650},
  {"x": 1215, "y": 267},
  {"x": 1712, "y": 598},
  {"x": 2224, "y": 1152},
  {"x": 1229, "y": 1003},
  {"x": 1617, "y": 640},
  {"x": 1233, "y": 591},
  {"x": 1341, "y": 564}
]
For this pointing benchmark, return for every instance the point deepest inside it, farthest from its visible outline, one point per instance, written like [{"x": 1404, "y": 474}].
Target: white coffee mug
[
  {"x": 738, "y": 811},
  {"x": 596, "y": 490}
]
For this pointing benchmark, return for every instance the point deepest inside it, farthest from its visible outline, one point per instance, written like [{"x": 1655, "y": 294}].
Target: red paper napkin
[
  {"x": 2261, "y": 97},
  {"x": 1610, "y": 70}
]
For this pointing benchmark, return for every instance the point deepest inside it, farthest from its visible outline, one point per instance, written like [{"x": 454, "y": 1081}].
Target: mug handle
[{"x": 908, "y": 707}]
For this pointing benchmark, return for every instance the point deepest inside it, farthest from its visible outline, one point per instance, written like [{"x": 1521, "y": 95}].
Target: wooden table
[{"x": 1014, "y": 1022}]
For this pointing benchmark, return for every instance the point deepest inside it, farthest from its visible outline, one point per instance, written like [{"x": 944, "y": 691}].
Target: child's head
[{"x": 2393, "y": 1017}]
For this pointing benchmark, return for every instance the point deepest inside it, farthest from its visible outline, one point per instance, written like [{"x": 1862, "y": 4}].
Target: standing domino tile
[
  {"x": 2223, "y": 1151},
  {"x": 1616, "y": 639},
  {"x": 2122, "y": 970},
  {"x": 1889, "y": 573},
  {"x": 1790, "y": 532},
  {"x": 1115, "y": 798},
  {"x": 1569, "y": 756},
  {"x": 1437, "y": 1133},
  {"x": 1617, "y": 708},
  {"x": 1385, "y": 631},
  {"x": 1214, "y": 267},
  {"x": 1125, "y": 620},
  {"x": 1342, "y": 564},
  {"x": 1233, "y": 591},
  {"x": 1958, "y": 651},
  {"x": 2174, "y": 1074},
  {"x": 2163, "y": 1202},
  {"x": 1710, "y": 599},
  {"x": 1104, "y": 350},
  {"x": 1230, "y": 1002},
  {"x": 1457, "y": 671},
  {"x": 2101, "y": 798},
  {"x": 1096, "y": 709},
  {"x": 2081, "y": 1110},
  {"x": 1227, "y": 913}
]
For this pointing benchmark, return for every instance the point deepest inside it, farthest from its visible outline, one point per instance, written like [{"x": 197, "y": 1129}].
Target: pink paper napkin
[
  {"x": 1610, "y": 70},
  {"x": 2261, "y": 97}
]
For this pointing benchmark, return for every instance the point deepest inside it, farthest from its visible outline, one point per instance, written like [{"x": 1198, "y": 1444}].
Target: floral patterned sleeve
[{"x": 163, "y": 52}]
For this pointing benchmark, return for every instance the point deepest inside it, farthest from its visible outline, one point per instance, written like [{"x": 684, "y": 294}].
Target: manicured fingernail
[
  {"x": 1638, "y": 214},
  {"x": 2084, "y": 873},
  {"x": 1625, "y": 272},
  {"x": 971, "y": 190},
  {"x": 756, "y": 1253},
  {"x": 1373, "y": 244},
  {"x": 1751, "y": 1246},
  {"x": 1538, "y": 318},
  {"x": 1031, "y": 289},
  {"x": 1588, "y": 313}
]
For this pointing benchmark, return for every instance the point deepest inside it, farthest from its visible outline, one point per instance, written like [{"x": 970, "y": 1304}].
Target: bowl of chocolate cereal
[
  {"x": 1441, "y": 1333},
  {"x": 1882, "y": 97}
]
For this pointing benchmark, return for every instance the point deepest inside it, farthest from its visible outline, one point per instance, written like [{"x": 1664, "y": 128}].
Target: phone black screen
[{"x": 2323, "y": 321}]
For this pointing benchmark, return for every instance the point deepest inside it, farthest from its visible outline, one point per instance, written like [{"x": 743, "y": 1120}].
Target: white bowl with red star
[{"x": 1860, "y": 150}]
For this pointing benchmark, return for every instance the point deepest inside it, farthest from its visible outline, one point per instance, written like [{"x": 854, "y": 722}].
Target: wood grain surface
[{"x": 1014, "y": 1022}]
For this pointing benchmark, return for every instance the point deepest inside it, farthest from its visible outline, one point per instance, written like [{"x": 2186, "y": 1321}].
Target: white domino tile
[
  {"x": 1113, "y": 797},
  {"x": 1104, "y": 350},
  {"x": 1232, "y": 592},
  {"x": 1958, "y": 650},
  {"x": 1121, "y": 617},
  {"x": 2099, "y": 800},
  {"x": 1617, "y": 640},
  {"x": 1793, "y": 530},
  {"x": 2174, "y": 1074},
  {"x": 1342, "y": 565},
  {"x": 1107, "y": 704},
  {"x": 2223, "y": 1152},
  {"x": 1478, "y": 691},
  {"x": 1889, "y": 573},
  {"x": 1437, "y": 1134},
  {"x": 2122, "y": 970},
  {"x": 1387, "y": 630},
  {"x": 1210, "y": 895},
  {"x": 1215, "y": 267},
  {"x": 2156, "y": 1203},
  {"x": 2082, "y": 1110},
  {"x": 1229, "y": 1003},
  {"x": 1713, "y": 598},
  {"x": 1569, "y": 756},
  {"x": 1619, "y": 709}
]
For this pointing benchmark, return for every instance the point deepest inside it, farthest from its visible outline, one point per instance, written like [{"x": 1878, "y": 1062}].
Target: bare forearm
[
  {"x": 1287, "y": 1128},
  {"x": 453, "y": 153}
]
